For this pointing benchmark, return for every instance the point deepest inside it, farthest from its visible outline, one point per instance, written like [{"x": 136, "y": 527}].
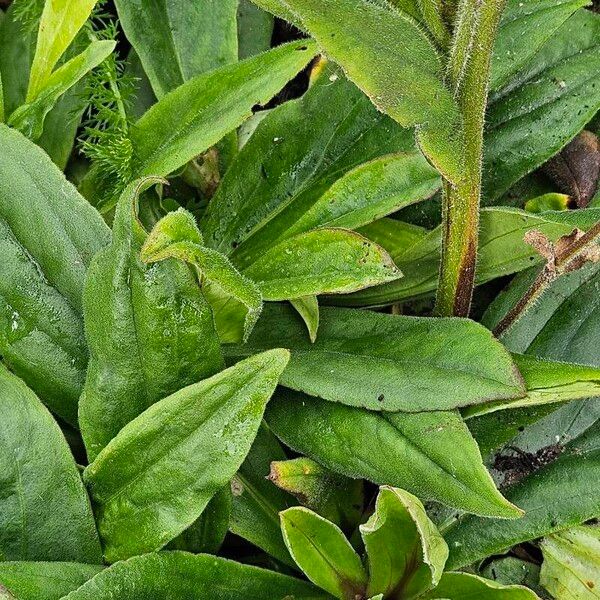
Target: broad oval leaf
[
  {"x": 388, "y": 362},
  {"x": 149, "y": 329},
  {"x": 182, "y": 576},
  {"x": 405, "y": 550},
  {"x": 48, "y": 236},
  {"x": 571, "y": 567},
  {"x": 323, "y": 553},
  {"x": 560, "y": 495},
  {"x": 321, "y": 261},
  {"x": 44, "y": 580},
  {"x": 457, "y": 586},
  {"x": 177, "y": 40},
  {"x": 45, "y": 514},
  {"x": 430, "y": 454},
  {"x": 155, "y": 478}
]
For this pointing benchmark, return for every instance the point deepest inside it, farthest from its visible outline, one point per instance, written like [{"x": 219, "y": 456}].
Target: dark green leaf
[
  {"x": 257, "y": 502},
  {"x": 44, "y": 511},
  {"x": 44, "y": 580},
  {"x": 149, "y": 330},
  {"x": 48, "y": 236},
  {"x": 525, "y": 27},
  {"x": 324, "y": 554},
  {"x": 177, "y": 40},
  {"x": 206, "y": 535},
  {"x": 155, "y": 478},
  {"x": 558, "y": 496},
  {"x": 295, "y": 155},
  {"x": 255, "y": 29},
  {"x": 430, "y": 454},
  {"x": 388, "y": 363},
  {"x": 403, "y": 80},
  {"x": 181, "y": 576},
  {"x": 545, "y": 105},
  {"x": 308, "y": 309},
  {"x": 405, "y": 550}
]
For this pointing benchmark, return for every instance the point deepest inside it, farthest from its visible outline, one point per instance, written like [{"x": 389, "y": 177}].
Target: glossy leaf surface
[
  {"x": 48, "y": 236},
  {"x": 148, "y": 327},
  {"x": 155, "y": 478},
  {"x": 323, "y": 553},
  {"x": 182, "y": 576},
  {"x": 389, "y": 363},
  {"x": 45, "y": 514},
  {"x": 320, "y": 262},
  {"x": 419, "y": 453}
]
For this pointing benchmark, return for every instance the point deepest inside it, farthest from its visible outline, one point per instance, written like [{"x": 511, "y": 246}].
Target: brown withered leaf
[{"x": 576, "y": 169}]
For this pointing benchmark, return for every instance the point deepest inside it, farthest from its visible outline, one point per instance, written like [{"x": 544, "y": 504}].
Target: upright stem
[{"x": 468, "y": 73}]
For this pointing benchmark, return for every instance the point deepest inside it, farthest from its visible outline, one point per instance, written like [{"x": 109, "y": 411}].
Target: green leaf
[
  {"x": 388, "y": 362},
  {"x": 155, "y": 478},
  {"x": 502, "y": 251},
  {"x": 177, "y": 236},
  {"x": 547, "y": 382},
  {"x": 195, "y": 116},
  {"x": 558, "y": 496},
  {"x": 322, "y": 261},
  {"x": 430, "y": 454},
  {"x": 182, "y": 576},
  {"x": 525, "y": 27},
  {"x": 44, "y": 580},
  {"x": 148, "y": 327},
  {"x": 395, "y": 236},
  {"x": 571, "y": 567},
  {"x": 406, "y": 552},
  {"x": 44, "y": 511},
  {"x": 255, "y": 29},
  {"x": 510, "y": 570},
  {"x": 257, "y": 502},
  {"x": 308, "y": 309},
  {"x": 324, "y": 554},
  {"x": 334, "y": 497},
  {"x": 206, "y": 535},
  {"x": 61, "y": 21},
  {"x": 178, "y": 40},
  {"x": 30, "y": 118},
  {"x": 542, "y": 108},
  {"x": 458, "y": 586},
  {"x": 48, "y": 236},
  {"x": 295, "y": 155},
  {"x": 403, "y": 80},
  {"x": 199, "y": 113}
]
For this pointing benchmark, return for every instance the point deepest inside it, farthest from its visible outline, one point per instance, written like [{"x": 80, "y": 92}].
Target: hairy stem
[
  {"x": 468, "y": 73},
  {"x": 571, "y": 259}
]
